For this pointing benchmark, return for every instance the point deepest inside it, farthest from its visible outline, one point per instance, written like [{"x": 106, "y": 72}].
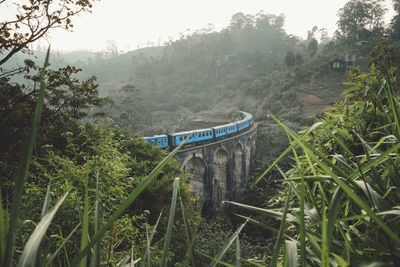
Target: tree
[
  {"x": 67, "y": 98},
  {"x": 360, "y": 20},
  {"x": 312, "y": 47},
  {"x": 298, "y": 59},
  {"x": 289, "y": 59},
  {"x": 395, "y": 22},
  {"x": 33, "y": 20}
]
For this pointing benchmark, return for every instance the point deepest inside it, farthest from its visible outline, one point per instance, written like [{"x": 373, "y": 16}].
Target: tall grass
[
  {"x": 31, "y": 251},
  {"x": 346, "y": 184},
  {"x": 22, "y": 173},
  {"x": 341, "y": 207}
]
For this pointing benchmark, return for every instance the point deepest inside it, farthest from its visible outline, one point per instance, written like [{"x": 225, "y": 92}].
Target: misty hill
[{"x": 208, "y": 76}]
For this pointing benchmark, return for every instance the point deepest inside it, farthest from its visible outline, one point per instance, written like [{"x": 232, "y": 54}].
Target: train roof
[
  {"x": 193, "y": 131},
  {"x": 155, "y": 136},
  {"x": 225, "y": 125},
  {"x": 246, "y": 114}
]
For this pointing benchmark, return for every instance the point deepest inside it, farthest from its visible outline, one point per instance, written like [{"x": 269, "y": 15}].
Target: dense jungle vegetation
[{"x": 80, "y": 187}]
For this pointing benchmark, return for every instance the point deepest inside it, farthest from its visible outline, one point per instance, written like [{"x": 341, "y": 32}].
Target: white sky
[{"x": 130, "y": 23}]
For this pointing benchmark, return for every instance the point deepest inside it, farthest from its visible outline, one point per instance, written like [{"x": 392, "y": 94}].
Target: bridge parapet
[{"x": 220, "y": 169}]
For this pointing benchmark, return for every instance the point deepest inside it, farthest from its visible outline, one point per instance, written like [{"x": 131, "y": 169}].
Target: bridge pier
[{"x": 220, "y": 169}]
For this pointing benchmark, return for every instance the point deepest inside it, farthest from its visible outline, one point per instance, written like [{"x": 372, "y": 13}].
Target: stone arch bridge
[{"x": 220, "y": 169}]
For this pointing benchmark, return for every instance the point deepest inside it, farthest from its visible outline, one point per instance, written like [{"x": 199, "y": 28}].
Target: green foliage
[
  {"x": 395, "y": 22},
  {"x": 213, "y": 237},
  {"x": 289, "y": 59},
  {"x": 312, "y": 47},
  {"x": 33, "y": 20},
  {"x": 360, "y": 20},
  {"x": 22, "y": 173},
  {"x": 346, "y": 179}
]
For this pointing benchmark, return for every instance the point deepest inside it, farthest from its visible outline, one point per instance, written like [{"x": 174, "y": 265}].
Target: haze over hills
[{"x": 72, "y": 141}]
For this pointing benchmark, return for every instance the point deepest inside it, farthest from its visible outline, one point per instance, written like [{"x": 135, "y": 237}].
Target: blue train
[{"x": 175, "y": 139}]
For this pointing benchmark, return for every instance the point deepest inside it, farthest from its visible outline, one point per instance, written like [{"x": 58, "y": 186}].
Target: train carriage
[
  {"x": 160, "y": 140},
  {"x": 224, "y": 129},
  {"x": 196, "y": 136},
  {"x": 247, "y": 121},
  {"x": 175, "y": 139}
]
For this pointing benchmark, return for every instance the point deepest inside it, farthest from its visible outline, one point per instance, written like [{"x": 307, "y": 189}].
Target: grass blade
[
  {"x": 271, "y": 213},
  {"x": 332, "y": 214},
  {"x": 287, "y": 150},
  {"x": 218, "y": 262},
  {"x": 393, "y": 103},
  {"x": 23, "y": 168},
  {"x": 189, "y": 237},
  {"x": 291, "y": 249},
  {"x": 55, "y": 254},
  {"x": 253, "y": 221},
  {"x": 170, "y": 222},
  {"x": 95, "y": 260},
  {"x": 278, "y": 242},
  {"x": 85, "y": 222},
  {"x": 147, "y": 254},
  {"x": 132, "y": 196},
  {"x": 222, "y": 252},
  {"x": 254, "y": 263},
  {"x": 325, "y": 244},
  {"x": 3, "y": 231},
  {"x": 302, "y": 200},
  {"x": 46, "y": 201},
  {"x": 319, "y": 158},
  {"x": 28, "y": 257},
  {"x": 190, "y": 249},
  {"x": 238, "y": 258},
  {"x": 44, "y": 211}
]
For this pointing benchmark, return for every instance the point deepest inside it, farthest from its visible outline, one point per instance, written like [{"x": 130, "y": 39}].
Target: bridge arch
[
  {"x": 214, "y": 164},
  {"x": 220, "y": 178},
  {"x": 196, "y": 165},
  {"x": 249, "y": 149},
  {"x": 238, "y": 169}
]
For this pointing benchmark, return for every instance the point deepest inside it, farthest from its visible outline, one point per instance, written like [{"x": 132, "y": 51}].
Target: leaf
[
  {"x": 170, "y": 222},
  {"x": 3, "y": 231},
  {"x": 45, "y": 208},
  {"x": 380, "y": 203},
  {"x": 23, "y": 168},
  {"x": 340, "y": 260},
  {"x": 189, "y": 237},
  {"x": 268, "y": 212},
  {"x": 85, "y": 222},
  {"x": 291, "y": 248},
  {"x": 126, "y": 204},
  {"x": 55, "y": 254},
  {"x": 277, "y": 245},
  {"x": 224, "y": 249},
  {"x": 149, "y": 239},
  {"x": 28, "y": 257},
  {"x": 238, "y": 257},
  {"x": 95, "y": 260},
  {"x": 321, "y": 159}
]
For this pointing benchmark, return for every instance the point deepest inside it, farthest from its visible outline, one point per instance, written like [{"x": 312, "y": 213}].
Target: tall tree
[
  {"x": 312, "y": 47},
  {"x": 33, "y": 20},
  {"x": 395, "y": 23},
  {"x": 360, "y": 20},
  {"x": 290, "y": 59}
]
